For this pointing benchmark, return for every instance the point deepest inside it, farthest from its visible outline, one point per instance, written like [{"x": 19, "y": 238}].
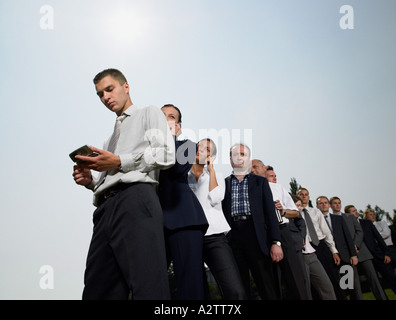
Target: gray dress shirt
[{"x": 145, "y": 146}]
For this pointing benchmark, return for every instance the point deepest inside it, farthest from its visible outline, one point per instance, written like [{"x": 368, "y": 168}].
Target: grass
[{"x": 390, "y": 294}]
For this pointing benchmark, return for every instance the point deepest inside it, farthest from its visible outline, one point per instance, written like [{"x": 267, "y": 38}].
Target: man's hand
[
  {"x": 82, "y": 176},
  {"x": 354, "y": 261},
  {"x": 276, "y": 253},
  {"x": 336, "y": 259},
  {"x": 104, "y": 161},
  {"x": 387, "y": 259}
]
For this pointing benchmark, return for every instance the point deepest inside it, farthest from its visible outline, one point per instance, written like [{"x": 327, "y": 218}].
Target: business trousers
[
  {"x": 221, "y": 262},
  {"x": 326, "y": 258},
  {"x": 249, "y": 256},
  {"x": 127, "y": 256},
  {"x": 367, "y": 268},
  {"x": 185, "y": 248},
  {"x": 293, "y": 273},
  {"x": 318, "y": 277}
]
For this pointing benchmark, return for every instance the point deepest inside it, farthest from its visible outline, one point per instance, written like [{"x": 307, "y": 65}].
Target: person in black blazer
[
  {"x": 184, "y": 219},
  {"x": 250, "y": 211},
  {"x": 343, "y": 241},
  {"x": 379, "y": 250}
]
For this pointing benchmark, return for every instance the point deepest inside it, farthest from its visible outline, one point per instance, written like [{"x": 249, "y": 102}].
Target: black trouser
[
  {"x": 249, "y": 256},
  {"x": 221, "y": 262},
  {"x": 386, "y": 271},
  {"x": 292, "y": 266},
  {"x": 326, "y": 258},
  {"x": 184, "y": 247},
  {"x": 127, "y": 252}
]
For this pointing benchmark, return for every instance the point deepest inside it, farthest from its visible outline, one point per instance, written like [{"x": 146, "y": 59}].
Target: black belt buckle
[{"x": 240, "y": 218}]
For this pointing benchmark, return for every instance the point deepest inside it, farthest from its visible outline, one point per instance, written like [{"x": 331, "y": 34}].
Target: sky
[{"x": 314, "y": 99}]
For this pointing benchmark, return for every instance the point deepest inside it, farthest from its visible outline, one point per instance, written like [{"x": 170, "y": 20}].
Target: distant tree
[{"x": 294, "y": 186}]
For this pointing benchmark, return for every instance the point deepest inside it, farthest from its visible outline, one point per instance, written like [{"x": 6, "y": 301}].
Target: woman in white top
[{"x": 209, "y": 187}]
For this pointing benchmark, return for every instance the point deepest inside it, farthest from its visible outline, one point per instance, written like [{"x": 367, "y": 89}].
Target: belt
[
  {"x": 112, "y": 191},
  {"x": 241, "y": 218}
]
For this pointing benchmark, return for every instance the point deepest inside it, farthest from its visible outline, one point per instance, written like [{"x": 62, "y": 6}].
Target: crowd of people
[{"x": 159, "y": 200}]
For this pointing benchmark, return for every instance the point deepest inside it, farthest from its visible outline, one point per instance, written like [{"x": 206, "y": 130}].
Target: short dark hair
[
  {"x": 295, "y": 198},
  {"x": 270, "y": 168},
  {"x": 334, "y": 198},
  {"x": 169, "y": 105},
  {"x": 114, "y": 73},
  {"x": 348, "y": 207},
  {"x": 317, "y": 199}
]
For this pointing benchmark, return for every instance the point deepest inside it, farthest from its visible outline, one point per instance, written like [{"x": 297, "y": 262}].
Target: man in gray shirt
[{"x": 127, "y": 257}]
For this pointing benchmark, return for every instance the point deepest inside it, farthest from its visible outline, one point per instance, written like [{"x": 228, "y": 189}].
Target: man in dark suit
[
  {"x": 379, "y": 250},
  {"x": 343, "y": 241},
  {"x": 254, "y": 237},
  {"x": 365, "y": 264},
  {"x": 184, "y": 219}
]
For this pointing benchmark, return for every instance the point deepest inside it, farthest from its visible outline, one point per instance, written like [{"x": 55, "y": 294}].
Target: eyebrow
[{"x": 105, "y": 89}]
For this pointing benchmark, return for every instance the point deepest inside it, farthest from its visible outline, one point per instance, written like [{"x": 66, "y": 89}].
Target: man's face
[
  {"x": 258, "y": 168},
  {"x": 371, "y": 216},
  {"x": 354, "y": 211},
  {"x": 240, "y": 158},
  {"x": 203, "y": 152},
  {"x": 336, "y": 205},
  {"x": 172, "y": 116},
  {"x": 323, "y": 205},
  {"x": 271, "y": 176},
  {"x": 299, "y": 205},
  {"x": 304, "y": 195},
  {"x": 112, "y": 94}
]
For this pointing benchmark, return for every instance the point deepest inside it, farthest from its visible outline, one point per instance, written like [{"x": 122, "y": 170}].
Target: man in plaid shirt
[{"x": 254, "y": 236}]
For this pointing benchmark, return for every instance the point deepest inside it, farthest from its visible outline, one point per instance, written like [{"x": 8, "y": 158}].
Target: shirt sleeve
[
  {"x": 159, "y": 152},
  {"x": 216, "y": 196}
]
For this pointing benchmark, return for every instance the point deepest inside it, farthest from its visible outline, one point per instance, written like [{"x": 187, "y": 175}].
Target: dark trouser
[
  {"x": 294, "y": 274},
  {"x": 184, "y": 248},
  {"x": 249, "y": 256},
  {"x": 386, "y": 271},
  {"x": 127, "y": 252},
  {"x": 326, "y": 258},
  {"x": 367, "y": 268},
  {"x": 221, "y": 262}
]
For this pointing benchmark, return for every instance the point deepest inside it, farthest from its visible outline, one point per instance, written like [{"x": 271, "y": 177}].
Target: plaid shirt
[{"x": 239, "y": 197}]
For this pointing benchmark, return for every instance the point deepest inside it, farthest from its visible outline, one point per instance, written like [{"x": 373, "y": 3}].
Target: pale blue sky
[{"x": 319, "y": 101}]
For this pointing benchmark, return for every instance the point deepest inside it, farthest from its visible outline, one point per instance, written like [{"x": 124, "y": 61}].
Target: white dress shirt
[
  {"x": 384, "y": 231},
  {"x": 281, "y": 194},
  {"x": 145, "y": 146},
  {"x": 322, "y": 228},
  {"x": 210, "y": 201}
]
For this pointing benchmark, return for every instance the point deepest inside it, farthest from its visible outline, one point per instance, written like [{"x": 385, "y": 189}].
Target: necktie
[
  {"x": 327, "y": 217},
  {"x": 116, "y": 134},
  {"x": 112, "y": 145},
  {"x": 311, "y": 228}
]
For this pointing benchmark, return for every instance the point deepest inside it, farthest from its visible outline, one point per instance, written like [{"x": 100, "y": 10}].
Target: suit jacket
[
  {"x": 342, "y": 238},
  {"x": 356, "y": 232},
  {"x": 180, "y": 206},
  {"x": 373, "y": 240},
  {"x": 298, "y": 230},
  {"x": 262, "y": 209}
]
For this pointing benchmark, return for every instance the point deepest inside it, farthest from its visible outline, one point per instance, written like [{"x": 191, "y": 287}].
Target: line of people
[{"x": 243, "y": 226}]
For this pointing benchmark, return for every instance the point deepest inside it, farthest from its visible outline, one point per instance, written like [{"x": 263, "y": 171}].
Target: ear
[
  {"x": 177, "y": 129},
  {"x": 126, "y": 87}
]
